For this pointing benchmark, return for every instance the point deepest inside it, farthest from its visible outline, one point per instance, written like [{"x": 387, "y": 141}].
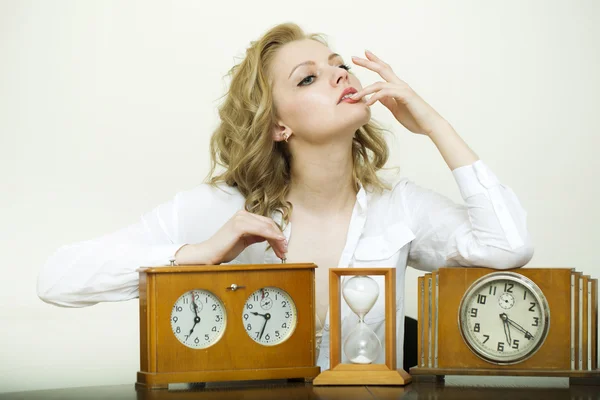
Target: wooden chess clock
[
  {"x": 225, "y": 323},
  {"x": 520, "y": 322},
  {"x": 356, "y": 373}
]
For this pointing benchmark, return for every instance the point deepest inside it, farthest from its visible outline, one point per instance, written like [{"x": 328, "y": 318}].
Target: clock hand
[
  {"x": 520, "y": 328},
  {"x": 255, "y": 313},
  {"x": 195, "y": 305},
  {"x": 267, "y": 318},
  {"x": 196, "y": 320},
  {"x": 504, "y": 317},
  {"x": 508, "y": 330}
]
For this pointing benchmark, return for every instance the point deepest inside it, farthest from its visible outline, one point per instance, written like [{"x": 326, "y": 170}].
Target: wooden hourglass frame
[{"x": 362, "y": 374}]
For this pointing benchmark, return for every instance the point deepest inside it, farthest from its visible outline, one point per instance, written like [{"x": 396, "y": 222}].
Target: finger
[
  {"x": 275, "y": 244},
  {"x": 251, "y": 239},
  {"x": 262, "y": 230},
  {"x": 376, "y": 59},
  {"x": 267, "y": 223},
  {"x": 386, "y": 67},
  {"x": 384, "y": 71},
  {"x": 272, "y": 233},
  {"x": 370, "y": 89},
  {"x": 267, "y": 220},
  {"x": 278, "y": 247},
  {"x": 380, "y": 95},
  {"x": 253, "y": 224}
]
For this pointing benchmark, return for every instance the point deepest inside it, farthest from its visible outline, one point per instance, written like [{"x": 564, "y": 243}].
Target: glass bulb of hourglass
[{"x": 362, "y": 346}]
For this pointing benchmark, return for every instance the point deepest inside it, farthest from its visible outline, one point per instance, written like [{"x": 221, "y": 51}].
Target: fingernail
[{"x": 367, "y": 51}]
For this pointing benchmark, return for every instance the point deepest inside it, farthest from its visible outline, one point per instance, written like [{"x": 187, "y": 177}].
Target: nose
[{"x": 340, "y": 76}]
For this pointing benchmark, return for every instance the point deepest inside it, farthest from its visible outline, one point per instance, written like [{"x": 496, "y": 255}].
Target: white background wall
[{"x": 106, "y": 109}]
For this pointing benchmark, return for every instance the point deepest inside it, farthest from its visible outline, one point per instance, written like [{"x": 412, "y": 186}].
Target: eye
[
  {"x": 305, "y": 81},
  {"x": 310, "y": 79}
]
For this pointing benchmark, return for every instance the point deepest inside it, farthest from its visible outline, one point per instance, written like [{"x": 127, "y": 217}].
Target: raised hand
[{"x": 407, "y": 106}]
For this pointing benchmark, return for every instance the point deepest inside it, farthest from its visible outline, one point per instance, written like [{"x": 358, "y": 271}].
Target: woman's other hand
[{"x": 239, "y": 232}]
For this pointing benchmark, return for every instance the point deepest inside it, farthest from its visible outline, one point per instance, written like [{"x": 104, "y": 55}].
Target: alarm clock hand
[
  {"x": 195, "y": 306},
  {"x": 196, "y": 320},
  {"x": 504, "y": 319},
  {"x": 520, "y": 328},
  {"x": 267, "y": 318},
  {"x": 506, "y": 328}
]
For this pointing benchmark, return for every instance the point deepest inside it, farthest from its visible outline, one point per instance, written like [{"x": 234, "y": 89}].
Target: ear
[{"x": 281, "y": 131}]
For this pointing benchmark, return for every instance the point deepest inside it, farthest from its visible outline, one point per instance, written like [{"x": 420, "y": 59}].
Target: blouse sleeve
[
  {"x": 105, "y": 268},
  {"x": 489, "y": 230}
]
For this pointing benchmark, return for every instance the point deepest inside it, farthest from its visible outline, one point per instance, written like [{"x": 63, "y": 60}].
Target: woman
[{"x": 299, "y": 150}]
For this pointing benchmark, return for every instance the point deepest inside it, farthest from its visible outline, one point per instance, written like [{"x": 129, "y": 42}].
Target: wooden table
[{"x": 463, "y": 388}]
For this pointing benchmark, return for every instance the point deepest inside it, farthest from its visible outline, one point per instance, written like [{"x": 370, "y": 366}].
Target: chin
[{"x": 358, "y": 117}]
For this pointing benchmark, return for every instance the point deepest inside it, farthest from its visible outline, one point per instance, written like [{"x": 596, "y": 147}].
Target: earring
[{"x": 286, "y": 137}]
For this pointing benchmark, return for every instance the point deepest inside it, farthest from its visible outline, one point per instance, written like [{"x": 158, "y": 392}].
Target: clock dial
[
  {"x": 269, "y": 316},
  {"x": 504, "y": 318},
  {"x": 198, "y": 319}
]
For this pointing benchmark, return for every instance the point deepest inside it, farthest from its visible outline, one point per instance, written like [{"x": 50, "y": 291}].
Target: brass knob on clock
[{"x": 234, "y": 287}]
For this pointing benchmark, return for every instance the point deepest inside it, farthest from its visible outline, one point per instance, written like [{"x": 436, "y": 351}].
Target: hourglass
[{"x": 362, "y": 346}]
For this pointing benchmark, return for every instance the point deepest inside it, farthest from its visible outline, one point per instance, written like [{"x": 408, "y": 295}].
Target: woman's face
[{"x": 308, "y": 82}]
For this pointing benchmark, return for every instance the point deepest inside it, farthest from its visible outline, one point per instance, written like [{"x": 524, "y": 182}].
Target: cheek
[
  {"x": 298, "y": 110},
  {"x": 315, "y": 100}
]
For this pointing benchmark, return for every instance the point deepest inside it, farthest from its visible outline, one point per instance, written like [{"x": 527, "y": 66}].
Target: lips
[{"x": 347, "y": 91}]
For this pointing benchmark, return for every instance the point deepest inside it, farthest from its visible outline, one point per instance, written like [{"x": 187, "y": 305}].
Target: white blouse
[{"x": 405, "y": 225}]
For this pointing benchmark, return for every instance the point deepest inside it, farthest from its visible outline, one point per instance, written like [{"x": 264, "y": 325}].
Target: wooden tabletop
[{"x": 465, "y": 388}]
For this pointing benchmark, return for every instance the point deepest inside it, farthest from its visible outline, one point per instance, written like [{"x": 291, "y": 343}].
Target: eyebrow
[{"x": 331, "y": 56}]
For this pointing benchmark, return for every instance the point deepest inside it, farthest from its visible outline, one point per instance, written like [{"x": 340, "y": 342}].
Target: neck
[{"x": 321, "y": 177}]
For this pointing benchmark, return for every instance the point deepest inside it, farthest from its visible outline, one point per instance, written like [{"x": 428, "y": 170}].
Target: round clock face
[
  {"x": 504, "y": 318},
  {"x": 269, "y": 316},
  {"x": 198, "y": 319}
]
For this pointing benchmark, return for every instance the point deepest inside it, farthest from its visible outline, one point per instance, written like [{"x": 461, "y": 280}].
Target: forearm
[
  {"x": 194, "y": 254},
  {"x": 451, "y": 146},
  {"x": 93, "y": 271}
]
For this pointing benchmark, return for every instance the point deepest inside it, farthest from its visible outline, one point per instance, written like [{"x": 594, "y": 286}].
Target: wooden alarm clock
[
  {"x": 520, "y": 322},
  {"x": 207, "y": 323}
]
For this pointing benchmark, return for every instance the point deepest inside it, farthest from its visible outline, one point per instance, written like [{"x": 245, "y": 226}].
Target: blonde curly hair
[{"x": 243, "y": 144}]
